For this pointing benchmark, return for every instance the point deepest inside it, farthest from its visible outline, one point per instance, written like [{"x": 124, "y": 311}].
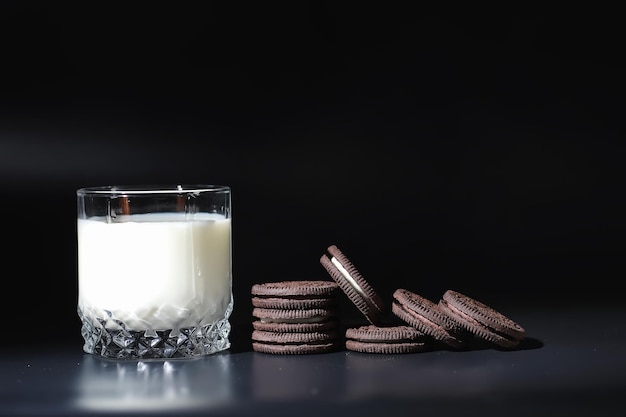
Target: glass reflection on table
[{"x": 188, "y": 384}]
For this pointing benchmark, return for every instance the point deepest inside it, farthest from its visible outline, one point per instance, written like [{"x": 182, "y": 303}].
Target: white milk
[{"x": 155, "y": 271}]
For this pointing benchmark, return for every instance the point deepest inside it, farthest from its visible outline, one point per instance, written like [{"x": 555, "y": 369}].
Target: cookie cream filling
[{"x": 353, "y": 282}]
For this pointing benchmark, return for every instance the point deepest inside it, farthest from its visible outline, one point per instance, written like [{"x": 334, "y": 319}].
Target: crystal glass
[{"x": 154, "y": 270}]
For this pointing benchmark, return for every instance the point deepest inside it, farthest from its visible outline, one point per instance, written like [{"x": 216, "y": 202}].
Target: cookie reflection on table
[
  {"x": 144, "y": 386},
  {"x": 297, "y": 378}
]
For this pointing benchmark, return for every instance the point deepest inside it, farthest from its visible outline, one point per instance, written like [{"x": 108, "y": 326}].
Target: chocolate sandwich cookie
[
  {"x": 293, "y": 303},
  {"x": 425, "y": 315},
  {"x": 305, "y": 294},
  {"x": 294, "y": 343},
  {"x": 294, "y": 349},
  {"x": 481, "y": 320},
  {"x": 309, "y": 315},
  {"x": 293, "y": 338},
  {"x": 295, "y": 327},
  {"x": 386, "y": 340},
  {"x": 353, "y": 284},
  {"x": 296, "y": 289}
]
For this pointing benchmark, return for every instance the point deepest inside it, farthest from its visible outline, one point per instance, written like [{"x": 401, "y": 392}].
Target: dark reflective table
[{"x": 573, "y": 363}]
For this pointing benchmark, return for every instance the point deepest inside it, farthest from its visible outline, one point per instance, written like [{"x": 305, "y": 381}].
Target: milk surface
[{"x": 155, "y": 271}]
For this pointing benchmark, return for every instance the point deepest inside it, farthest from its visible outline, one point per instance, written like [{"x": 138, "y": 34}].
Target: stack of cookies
[{"x": 295, "y": 317}]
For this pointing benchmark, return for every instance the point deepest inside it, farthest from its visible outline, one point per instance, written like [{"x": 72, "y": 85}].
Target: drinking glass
[{"x": 154, "y": 270}]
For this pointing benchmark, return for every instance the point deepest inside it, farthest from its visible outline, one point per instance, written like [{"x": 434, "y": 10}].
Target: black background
[{"x": 473, "y": 149}]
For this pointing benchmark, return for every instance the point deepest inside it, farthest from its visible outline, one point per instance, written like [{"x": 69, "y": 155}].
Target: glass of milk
[{"x": 154, "y": 270}]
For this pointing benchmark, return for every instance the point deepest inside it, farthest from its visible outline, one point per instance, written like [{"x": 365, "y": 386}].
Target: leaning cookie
[
  {"x": 481, "y": 320},
  {"x": 353, "y": 284},
  {"x": 386, "y": 340},
  {"x": 426, "y": 316}
]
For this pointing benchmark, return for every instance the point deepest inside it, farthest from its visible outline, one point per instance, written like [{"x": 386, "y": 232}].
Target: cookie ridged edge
[
  {"x": 293, "y": 315},
  {"x": 302, "y": 349},
  {"x": 388, "y": 334},
  {"x": 295, "y": 327},
  {"x": 295, "y": 288},
  {"x": 294, "y": 303},
  {"x": 386, "y": 348},
  {"x": 294, "y": 337}
]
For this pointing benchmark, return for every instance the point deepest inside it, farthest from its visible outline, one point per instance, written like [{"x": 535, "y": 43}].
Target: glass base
[{"x": 122, "y": 343}]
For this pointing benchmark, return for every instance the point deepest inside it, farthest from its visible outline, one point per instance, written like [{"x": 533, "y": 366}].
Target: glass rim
[{"x": 151, "y": 189}]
